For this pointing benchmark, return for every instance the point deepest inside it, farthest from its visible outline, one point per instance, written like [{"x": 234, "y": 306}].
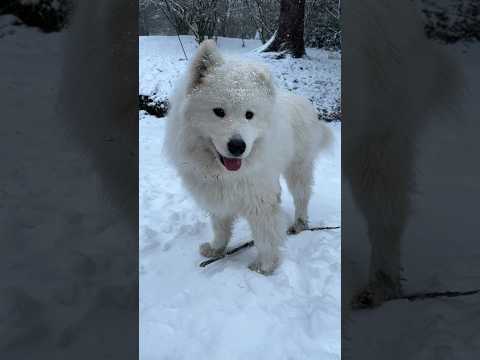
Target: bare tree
[
  {"x": 245, "y": 18},
  {"x": 264, "y": 14},
  {"x": 143, "y": 18},
  {"x": 289, "y": 36},
  {"x": 199, "y": 16},
  {"x": 322, "y": 24}
]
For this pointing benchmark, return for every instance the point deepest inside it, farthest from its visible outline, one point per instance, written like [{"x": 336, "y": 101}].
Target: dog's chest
[{"x": 229, "y": 198}]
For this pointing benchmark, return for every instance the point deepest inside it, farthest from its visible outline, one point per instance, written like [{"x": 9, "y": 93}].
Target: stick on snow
[
  {"x": 227, "y": 253},
  {"x": 250, "y": 244},
  {"x": 432, "y": 295}
]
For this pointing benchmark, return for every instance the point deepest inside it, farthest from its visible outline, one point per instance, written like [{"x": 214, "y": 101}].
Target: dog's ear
[
  {"x": 263, "y": 78},
  {"x": 206, "y": 58}
]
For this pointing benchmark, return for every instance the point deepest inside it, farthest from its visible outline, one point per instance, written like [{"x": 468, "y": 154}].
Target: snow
[
  {"x": 316, "y": 77},
  {"x": 225, "y": 311},
  {"x": 442, "y": 328}
]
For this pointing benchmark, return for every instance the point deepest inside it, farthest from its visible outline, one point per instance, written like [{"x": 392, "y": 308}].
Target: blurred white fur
[{"x": 398, "y": 82}]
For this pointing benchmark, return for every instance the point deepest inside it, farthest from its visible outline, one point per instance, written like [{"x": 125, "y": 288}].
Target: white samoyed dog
[{"x": 231, "y": 134}]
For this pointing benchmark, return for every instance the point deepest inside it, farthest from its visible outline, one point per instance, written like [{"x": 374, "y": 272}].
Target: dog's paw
[
  {"x": 264, "y": 268},
  {"x": 297, "y": 227},
  {"x": 367, "y": 299},
  {"x": 208, "y": 251},
  {"x": 375, "y": 295}
]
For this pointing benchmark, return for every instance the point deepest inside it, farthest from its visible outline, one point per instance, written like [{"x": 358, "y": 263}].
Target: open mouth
[{"x": 232, "y": 164}]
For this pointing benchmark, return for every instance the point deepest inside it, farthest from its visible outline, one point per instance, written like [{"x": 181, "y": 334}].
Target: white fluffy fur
[
  {"x": 283, "y": 137},
  {"x": 402, "y": 85}
]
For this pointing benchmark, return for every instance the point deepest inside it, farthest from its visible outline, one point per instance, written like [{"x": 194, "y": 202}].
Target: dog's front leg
[
  {"x": 222, "y": 229},
  {"x": 268, "y": 230},
  {"x": 382, "y": 182},
  {"x": 385, "y": 266}
]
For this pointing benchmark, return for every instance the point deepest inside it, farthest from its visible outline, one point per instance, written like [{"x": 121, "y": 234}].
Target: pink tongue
[{"x": 232, "y": 164}]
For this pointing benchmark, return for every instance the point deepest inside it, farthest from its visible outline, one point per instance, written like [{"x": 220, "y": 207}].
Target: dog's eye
[
  {"x": 249, "y": 115},
  {"x": 219, "y": 112}
]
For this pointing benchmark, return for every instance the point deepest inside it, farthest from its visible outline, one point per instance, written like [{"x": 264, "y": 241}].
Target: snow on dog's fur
[{"x": 231, "y": 134}]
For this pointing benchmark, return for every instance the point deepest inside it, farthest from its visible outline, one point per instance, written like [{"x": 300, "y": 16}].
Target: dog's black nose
[{"x": 236, "y": 146}]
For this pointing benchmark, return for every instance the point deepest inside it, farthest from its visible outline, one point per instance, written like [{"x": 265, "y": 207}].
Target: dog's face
[{"x": 229, "y": 106}]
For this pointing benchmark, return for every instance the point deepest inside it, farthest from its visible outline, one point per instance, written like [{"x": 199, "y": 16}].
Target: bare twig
[
  {"x": 227, "y": 253},
  {"x": 323, "y": 228},
  {"x": 432, "y": 295},
  {"x": 176, "y": 29}
]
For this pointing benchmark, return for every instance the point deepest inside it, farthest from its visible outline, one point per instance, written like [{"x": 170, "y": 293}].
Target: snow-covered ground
[
  {"x": 225, "y": 311},
  {"x": 316, "y": 77}
]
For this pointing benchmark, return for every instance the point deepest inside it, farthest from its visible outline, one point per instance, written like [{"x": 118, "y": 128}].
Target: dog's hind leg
[
  {"x": 299, "y": 177},
  {"x": 222, "y": 229}
]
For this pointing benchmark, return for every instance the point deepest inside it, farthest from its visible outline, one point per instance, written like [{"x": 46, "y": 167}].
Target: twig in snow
[
  {"x": 250, "y": 244},
  {"x": 227, "y": 253},
  {"x": 323, "y": 228},
  {"x": 431, "y": 295}
]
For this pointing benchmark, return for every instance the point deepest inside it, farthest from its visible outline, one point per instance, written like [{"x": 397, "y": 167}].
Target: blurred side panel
[
  {"x": 69, "y": 180},
  {"x": 411, "y": 183}
]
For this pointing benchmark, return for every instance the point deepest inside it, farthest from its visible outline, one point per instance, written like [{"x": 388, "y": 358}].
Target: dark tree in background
[{"x": 289, "y": 35}]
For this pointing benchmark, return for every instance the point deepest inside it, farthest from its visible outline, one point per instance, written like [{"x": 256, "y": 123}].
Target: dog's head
[{"x": 229, "y": 106}]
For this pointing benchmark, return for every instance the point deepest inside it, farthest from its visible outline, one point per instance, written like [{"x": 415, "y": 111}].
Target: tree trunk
[{"x": 289, "y": 36}]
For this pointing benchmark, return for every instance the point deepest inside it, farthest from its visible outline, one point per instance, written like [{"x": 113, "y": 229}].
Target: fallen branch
[
  {"x": 432, "y": 295},
  {"x": 251, "y": 243},
  {"x": 323, "y": 228},
  {"x": 227, "y": 253},
  {"x": 367, "y": 301}
]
